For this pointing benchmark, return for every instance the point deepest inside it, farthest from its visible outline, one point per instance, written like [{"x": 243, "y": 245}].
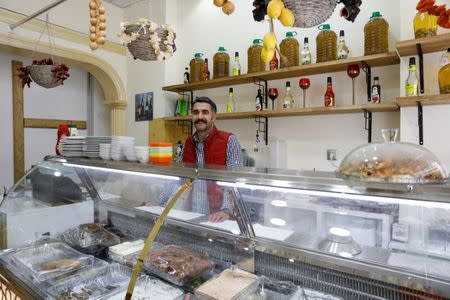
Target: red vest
[{"x": 215, "y": 152}]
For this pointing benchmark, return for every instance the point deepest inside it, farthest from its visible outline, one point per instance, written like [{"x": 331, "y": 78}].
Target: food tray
[
  {"x": 123, "y": 253},
  {"x": 177, "y": 264},
  {"x": 89, "y": 238},
  {"x": 101, "y": 284},
  {"x": 32, "y": 260},
  {"x": 149, "y": 288}
]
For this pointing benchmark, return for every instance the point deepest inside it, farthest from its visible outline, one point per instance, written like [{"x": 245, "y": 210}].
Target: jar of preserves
[
  {"x": 221, "y": 63},
  {"x": 289, "y": 47},
  {"x": 425, "y": 25},
  {"x": 376, "y": 35},
  {"x": 326, "y": 48},
  {"x": 254, "y": 61},
  {"x": 196, "y": 67}
]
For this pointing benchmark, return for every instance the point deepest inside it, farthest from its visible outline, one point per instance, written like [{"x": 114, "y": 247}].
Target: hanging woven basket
[
  {"x": 310, "y": 13},
  {"x": 43, "y": 76},
  {"x": 148, "y": 41}
]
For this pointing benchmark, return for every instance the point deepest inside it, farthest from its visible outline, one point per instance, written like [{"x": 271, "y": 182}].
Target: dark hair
[{"x": 206, "y": 100}]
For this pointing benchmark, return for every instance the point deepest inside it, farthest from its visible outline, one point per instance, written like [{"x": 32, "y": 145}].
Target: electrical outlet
[{"x": 331, "y": 154}]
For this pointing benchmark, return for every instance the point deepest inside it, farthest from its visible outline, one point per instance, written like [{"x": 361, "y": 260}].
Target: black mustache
[{"x": 200, "y": 121}]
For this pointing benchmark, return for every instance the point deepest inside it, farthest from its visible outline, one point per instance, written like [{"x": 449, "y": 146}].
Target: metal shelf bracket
[
  {"x": 420, "y": 121},
  {"x": 262, "y": 83},
  {"x": 263, "y": 127},
  {"x": 420, "y": 54},
  {"x": 368, "y": 124},
  {"x": 368, "y": 70}
]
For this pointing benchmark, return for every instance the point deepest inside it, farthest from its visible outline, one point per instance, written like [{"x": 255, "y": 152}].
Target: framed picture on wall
[{"x": 143, "y": 106}]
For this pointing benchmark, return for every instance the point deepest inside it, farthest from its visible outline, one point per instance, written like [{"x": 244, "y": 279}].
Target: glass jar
[
  {"x": 326, "y": 44},
  {"x": 289, "y": 47},
  {"x": 221, "y": 63},
  {"x": 376, "y": 35},
  {"x": 425, "y": 25},
  {"x": 196, "y": 67},
  {"x": 254, "y": 61}
]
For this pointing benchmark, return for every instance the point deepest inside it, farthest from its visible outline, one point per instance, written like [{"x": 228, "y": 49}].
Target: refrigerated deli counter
[{"x": 74, "y": 229}]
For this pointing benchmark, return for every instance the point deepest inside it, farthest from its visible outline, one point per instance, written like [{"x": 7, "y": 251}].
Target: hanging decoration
[
  {"x": 97, "y": 24},
  {"x": 147, "y": 40},
  {"x": 440, "y": 11},
  {"x": 227, "y": 6},
  {"x": 45, "y": 72}
]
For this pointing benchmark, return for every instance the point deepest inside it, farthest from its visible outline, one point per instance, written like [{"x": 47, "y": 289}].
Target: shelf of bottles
[
  {"x": 376, "y": 60},
  {"x": 428, "y": 44},
  {"x": 309, "y": 111}
]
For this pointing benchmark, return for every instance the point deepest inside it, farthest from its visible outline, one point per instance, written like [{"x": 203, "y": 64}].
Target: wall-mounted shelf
[
  {"x": 309, "y": 111},
  {"x": 377, "y": 60},
  {"x": 429, "y": 44},
  {"x": 424, "y": 100}
]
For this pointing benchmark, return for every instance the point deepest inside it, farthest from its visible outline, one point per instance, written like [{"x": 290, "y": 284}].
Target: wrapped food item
[
  {"x": 177, "y": 264},
  {"x": 89, "y": 237},
  {"x": 124, "y": 252},
  {"x": 229, "y": 285}
]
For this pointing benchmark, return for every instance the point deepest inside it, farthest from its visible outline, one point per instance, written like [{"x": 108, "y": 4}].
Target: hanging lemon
[
  {"x": 270, "y": 41},
  {"x": 287, "y": 17},
  {"x": 267, "y": 55},
  {"x": 274, "y": 8}
]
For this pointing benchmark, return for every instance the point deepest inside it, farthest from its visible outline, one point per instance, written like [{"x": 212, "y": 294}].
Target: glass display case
[{"x": 74, "y": 229}]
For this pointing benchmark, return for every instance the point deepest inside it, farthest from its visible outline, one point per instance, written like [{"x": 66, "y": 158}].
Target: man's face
[{"x": 203, "y": 116}]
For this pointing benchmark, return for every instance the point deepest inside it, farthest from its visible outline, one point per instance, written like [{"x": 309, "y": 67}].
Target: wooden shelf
[
  {"x": 377, "y": 60},
  {"x": 424, "y": 100},
  {"x": 309, "y": 111},
  {"x": 429, "y": 44}
]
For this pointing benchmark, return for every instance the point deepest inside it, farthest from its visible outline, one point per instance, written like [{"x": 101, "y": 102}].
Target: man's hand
[{"x": 218, "y": 217}]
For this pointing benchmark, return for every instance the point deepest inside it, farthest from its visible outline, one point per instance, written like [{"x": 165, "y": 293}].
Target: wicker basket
[
  {"x": 309, "y": 13},
  {"x": 141, "y": 48},
  {"x": 43, "y": 75}
]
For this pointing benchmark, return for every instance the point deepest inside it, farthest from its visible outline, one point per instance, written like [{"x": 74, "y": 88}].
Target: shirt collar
[{"x": 197, "y": 139}]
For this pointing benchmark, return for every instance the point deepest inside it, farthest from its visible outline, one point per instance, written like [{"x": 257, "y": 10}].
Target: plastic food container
[
  {"x": 161, "y": 153},
  {"x": 49, "y": 260},
  {"x": 177, "y": 264},
  {"x": 123, "y": 253},
  {"x": 393, "y": 162}
]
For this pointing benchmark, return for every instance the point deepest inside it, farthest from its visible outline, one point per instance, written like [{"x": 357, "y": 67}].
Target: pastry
[{"x": 62, "y": 263}]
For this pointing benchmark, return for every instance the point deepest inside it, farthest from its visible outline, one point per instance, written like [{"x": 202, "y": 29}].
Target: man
[{"x": 210, "y": 146}]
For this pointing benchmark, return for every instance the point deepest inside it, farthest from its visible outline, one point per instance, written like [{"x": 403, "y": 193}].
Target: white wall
[{"x": 201, "y": 27}]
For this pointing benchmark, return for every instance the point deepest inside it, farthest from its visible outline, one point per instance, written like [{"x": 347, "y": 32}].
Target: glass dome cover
[{"x": 393, "y": 161}]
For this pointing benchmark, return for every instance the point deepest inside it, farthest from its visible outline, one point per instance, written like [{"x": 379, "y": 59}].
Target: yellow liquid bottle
[
  {"x": 444, "y": 76},
  {"x": 289, "y": 47},
  {"x": 376, "y": 35},
  {"x": 221, "y": 63},
  {"x": 326, "y": 42},
  {"x": 425, "y": 25},
  {"x": 254, "y": 61},
  {"x": 196, "y": 66}
]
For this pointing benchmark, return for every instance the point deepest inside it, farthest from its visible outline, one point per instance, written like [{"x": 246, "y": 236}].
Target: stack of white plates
[
  {"x": 105, "y": 151},
  {"x": 117, "y": 142},
  {"x": 91, "y": 148},
  {"x": 141, "y": 154},
  {"x": 72, "y": 146},
  {"x": 128, "y": 151}
]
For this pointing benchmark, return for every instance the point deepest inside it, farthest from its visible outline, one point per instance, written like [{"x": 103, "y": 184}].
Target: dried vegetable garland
[
  {"x": 97, "y": 22},
  {"x": 440, "y": 11}
]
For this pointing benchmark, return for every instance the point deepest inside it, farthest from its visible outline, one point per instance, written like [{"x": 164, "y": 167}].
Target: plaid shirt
[{"x": 199, "y": 188}]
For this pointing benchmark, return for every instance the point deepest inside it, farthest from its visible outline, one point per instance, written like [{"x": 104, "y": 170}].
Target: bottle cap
[
  {"x": 448, "y": 50},
  {"x": 206, "y": 60},
  {"x": 329, "y": 80},
  {"x": 291, "y": 34},
  {"x": 198, "y": 55},
  {"x": 341, "y": 33},
  {"x": 231, "y": 90},
  {"x": 305, "y": 40},
  {"x": 375, "y": 14},
  {"x": 412, "y": 60},
  {"x": 257, "y": 42},
  {"x": 236, "y": 54},
  {"x": 222, "y": 49},
  {"x": 324, "y": 27},
  {"x": 376, "y": 78},
  {"x": 288, "y": 84},
  {"x": 186, "y": 68}
]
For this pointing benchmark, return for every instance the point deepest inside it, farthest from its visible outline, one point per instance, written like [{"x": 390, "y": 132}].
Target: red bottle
[
  {"x": 273, "y": 65},
  {"x": 329, "y": 94},
  {"x": 206, "y": 74}
]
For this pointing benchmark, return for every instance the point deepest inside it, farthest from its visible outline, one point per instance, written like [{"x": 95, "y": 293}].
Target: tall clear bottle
[
  {"x": 288, "y": 100},
  {"x": 236, "y": 65},
  {"x": 306, "y": 53},
  {"x": 444, "y": 76},
  {"x": 231, "y": 103},
  {"x": 412, "y": 82},
  {"x": 342, "y": 49}
]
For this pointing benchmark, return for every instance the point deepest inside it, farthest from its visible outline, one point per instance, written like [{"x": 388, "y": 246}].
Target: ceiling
[{"x": 123, "y": 3}]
